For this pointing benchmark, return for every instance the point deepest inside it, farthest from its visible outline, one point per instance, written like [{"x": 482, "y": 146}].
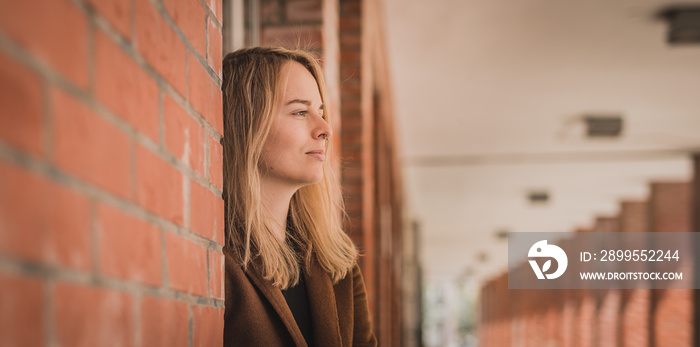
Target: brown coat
[{"x": 256, "y": 313}]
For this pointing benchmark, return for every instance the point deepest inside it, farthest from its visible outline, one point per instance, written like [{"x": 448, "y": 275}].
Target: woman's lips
[{"x": 320, "y": 155}]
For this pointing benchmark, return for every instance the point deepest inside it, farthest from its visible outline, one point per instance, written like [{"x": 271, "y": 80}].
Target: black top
[{"x": 299, "y": 305}]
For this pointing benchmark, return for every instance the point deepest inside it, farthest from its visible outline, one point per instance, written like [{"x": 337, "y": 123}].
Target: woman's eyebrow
[
  {"x": 305, "y": 102},
  {"x": 299, "y": 101}
]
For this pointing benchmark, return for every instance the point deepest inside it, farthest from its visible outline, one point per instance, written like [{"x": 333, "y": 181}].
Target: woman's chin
[{"x": 314, "y": 179}]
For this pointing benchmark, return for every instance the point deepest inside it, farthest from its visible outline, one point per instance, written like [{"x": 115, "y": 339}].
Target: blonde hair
[{"x": 251, "y": 81}]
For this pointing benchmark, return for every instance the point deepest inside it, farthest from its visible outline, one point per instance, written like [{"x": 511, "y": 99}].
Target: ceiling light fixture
[
  {"x": 684, "y": 24},
  {"x": 603, "y": 126},
  {"x": 538, "y": 197},
  {"x": 501, "y": 234}
]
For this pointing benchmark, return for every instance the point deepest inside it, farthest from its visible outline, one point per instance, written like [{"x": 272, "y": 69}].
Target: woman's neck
[{"x": 276, "y": 201}]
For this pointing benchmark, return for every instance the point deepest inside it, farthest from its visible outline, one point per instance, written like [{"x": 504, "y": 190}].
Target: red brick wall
[
  {"x": 111, "y": 217},
  {"x": 637, "y": 317}
]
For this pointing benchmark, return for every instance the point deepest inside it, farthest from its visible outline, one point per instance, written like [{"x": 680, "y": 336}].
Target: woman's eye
[{"x": 300, "y": 113}]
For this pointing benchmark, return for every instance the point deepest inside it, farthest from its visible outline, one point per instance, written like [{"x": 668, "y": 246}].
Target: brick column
[
  {"x": 671, "y": 309},
  {"x": 111, "y": 217},
  {"x": 608, "y": 318},
  {"x": 495, "y": 320},
  {"x": 552, "y": 303},
  {"x": 503, "y": 301},
  {"x": 695, "y": 213},
  {"x": 357, "y": 138},
  {"x": 485, "y": 325},
  {"x": 635, "y": 302},
  {"x": 569, "y": 324},
  {"x": 586, "y": 312}
]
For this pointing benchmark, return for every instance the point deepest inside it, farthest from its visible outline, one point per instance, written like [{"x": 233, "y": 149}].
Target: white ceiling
[{"x": 497, "y": 84}]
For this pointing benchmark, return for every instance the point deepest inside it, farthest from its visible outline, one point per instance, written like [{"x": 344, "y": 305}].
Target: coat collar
[{"x": 321, "y": 298}]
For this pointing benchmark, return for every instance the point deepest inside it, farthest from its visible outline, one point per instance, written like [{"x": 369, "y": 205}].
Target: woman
[{"x": 291, "y": 273}]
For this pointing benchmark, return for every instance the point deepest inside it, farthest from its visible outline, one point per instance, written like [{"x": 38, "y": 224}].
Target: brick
[
  {"x": 353, "y": 96},
  {"x": 352, "y": 138},
  {"x": 60, "y": 40},
  {"x": 20, "y": 107},
  {"x": 89, "y": 147},
  {"x": 207, "y": 327},
  {"x": 68, "y": 236},
  {"x": 355, "y": 211},
  {"x": 350, "y": 22},
  {"x": 350, "y": 42},
  {"x": 184, "y": 136},
  {"x": 159, "y": 186},
  {"x": 164, "y": 323},
  {"x": 350, "y": 8},
  {"x": 129, "y": 248},
  {"x": 350, "y": 56},
  {"x": 116, "y": 12},
  {"x": 205, "y": 96},
  {"x": 215, "y": 7},
  {"x": 216, "y": 274},
  {"x": 269, "y": 12},
  {"x": 189, "y": 16},
  {"x": 21, "y": 311},
  {"x": 353, "y": 194},
  {"x": 43, "y": 221},
  {"x": 635, "y": 318},
  {"x": 347, "y": 90},
  {"x": 206, "y": 213},
  {"x": 160, "y": 46},
  {"x": 350, "y": 73},
  {"x": 187, "y": 265},
  {"x": 606, "y": 224},
  {"x": 609, "y": 317},
  {"x": 352, "y": 156},
  {"x": 633, "y": 216},
  {"x": 123, "y": 87},
  {"x": 352, "y": 123},
  {"x": 670, "y": 206},
  {"x": 293, "y": 37},
  {"x": 86, "y": 316},
  {"x": 672, "y": 309},
  {"x": 672, "y": 319},
  {"x": 352, "y": 173},
  {"x": 304, "y": 10},
  {"x": 215, "y": 57},
  {"x": 216, "y": 163}
]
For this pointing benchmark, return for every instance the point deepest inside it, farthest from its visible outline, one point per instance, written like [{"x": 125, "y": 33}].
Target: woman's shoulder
[
  {"x": 353, "y": 279},
  {"x": 356, "y": 274},
  {"x": 232, "y": 266}
]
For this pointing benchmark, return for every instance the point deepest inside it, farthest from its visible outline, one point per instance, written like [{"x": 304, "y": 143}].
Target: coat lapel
[
  {"x": 276, "y": 299},
  {"x": 322, "y": 306}
]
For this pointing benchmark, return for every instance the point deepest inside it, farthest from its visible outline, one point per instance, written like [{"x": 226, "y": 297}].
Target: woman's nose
[{"x": 323, "y": 129}]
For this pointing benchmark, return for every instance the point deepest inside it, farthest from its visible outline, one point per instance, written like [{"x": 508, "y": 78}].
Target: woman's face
[{"x": 295, "y": 149}]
